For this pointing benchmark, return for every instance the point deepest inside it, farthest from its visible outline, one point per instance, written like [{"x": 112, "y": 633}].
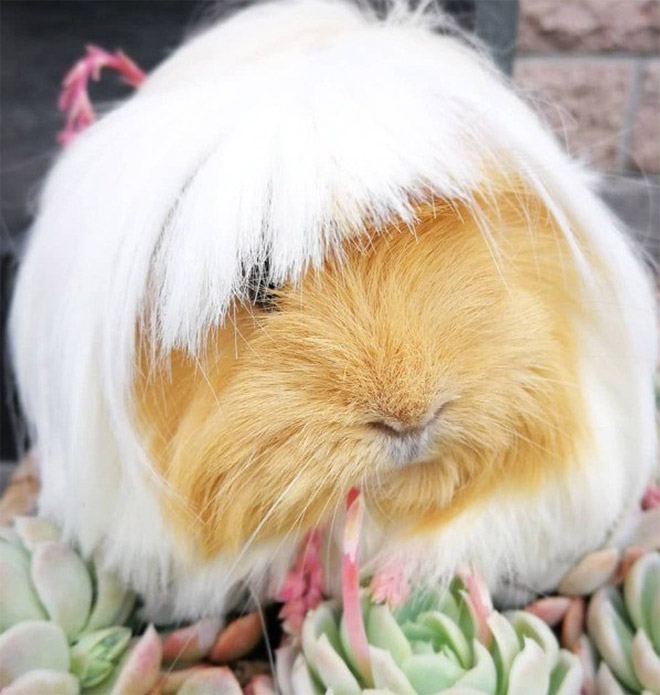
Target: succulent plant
[
  {"x": 58, "y": 613},
  {"x": 623, "y": 624},
  {"x": 452, "y": 641},
  {"x": 62, "y": 630},
  {"x": 438, "y": 641},
  {"x": 435, "y": 643}
]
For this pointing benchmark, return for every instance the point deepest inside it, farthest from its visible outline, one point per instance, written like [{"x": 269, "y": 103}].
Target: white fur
[{"x": 279, "y": 131}]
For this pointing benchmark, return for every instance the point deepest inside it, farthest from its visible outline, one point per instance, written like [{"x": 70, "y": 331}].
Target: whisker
[
  {"x": 264, "y": 629},
  {"x": 261, "y": 524}
]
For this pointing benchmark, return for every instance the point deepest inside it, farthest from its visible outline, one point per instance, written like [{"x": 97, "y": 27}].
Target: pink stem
[
  {"x": 74, "y": 99},
  {"x": 350, "y": 584}
]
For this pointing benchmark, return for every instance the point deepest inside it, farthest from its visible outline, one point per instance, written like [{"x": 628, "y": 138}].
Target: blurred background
[{"x": 592, "y": 68}]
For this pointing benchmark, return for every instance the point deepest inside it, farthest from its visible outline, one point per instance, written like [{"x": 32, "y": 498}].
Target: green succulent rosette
[
  {"x": 60, "y": 617},
  {"x": 623, "y": 624},
  {"x": 452, "y": 642},
  {"x": 434, "y": 643},
  {"x": 63, "y": 630}
]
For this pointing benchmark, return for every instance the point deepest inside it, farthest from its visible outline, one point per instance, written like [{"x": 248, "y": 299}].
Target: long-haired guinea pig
[{"x": 319, "y": 250}]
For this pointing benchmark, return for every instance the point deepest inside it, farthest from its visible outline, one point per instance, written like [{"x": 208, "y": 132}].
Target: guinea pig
[{"x": 319, "y": 250}]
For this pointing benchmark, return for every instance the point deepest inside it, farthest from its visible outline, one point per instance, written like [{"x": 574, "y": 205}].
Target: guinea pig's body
[{"x": 316, "y": 251}]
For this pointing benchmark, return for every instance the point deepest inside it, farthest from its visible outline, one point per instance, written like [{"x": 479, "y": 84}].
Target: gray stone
[
  {"x": 583, "y": 100},
  {"x": 589, "y": 25}
]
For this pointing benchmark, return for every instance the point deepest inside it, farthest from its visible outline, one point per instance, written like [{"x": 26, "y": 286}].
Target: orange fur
[{"x": 264, "y": 435}]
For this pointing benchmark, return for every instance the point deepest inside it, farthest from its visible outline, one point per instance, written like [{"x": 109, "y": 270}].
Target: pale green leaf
[
  {"x": 384, "y": 632},
  {"x": 429, "y": 673},
  {"x": 530, "y": 671},
  {"x": 387, "y": 674},
  {"x": 31, "y": 645},
  {"x": 63, "y": 584}
]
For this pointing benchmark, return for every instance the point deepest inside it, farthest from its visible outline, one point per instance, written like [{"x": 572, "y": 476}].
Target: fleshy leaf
[
  {"x": 94, "y": 656},
  {"x": 332, "y": 669},
  {"x": 322, "y": 620},
  {"x": 387, "y": 674},
  {"x": 172, "y": 679},
  {"x": 194, "y": 642},
  {"x": 591, "y": 572},
  {"x": 505, "y": 647},
  {"x": 126, "y": 608},
  {"x": 422, "y": 601},
  {"x": 445, "y": 631},
  {"x": 480, "y": 601},
  {"x": 572, "y": 626},
  {"x": 32, "y": 645},
  {"x": 238, "y": 638},
  {"x": 18, "y": 600},
  {"x": 530, "y": 671},
  {"x": 449, "y": 604},
  {"x": 430, "y": 673},
  {"x": 551, "y": 610},
  {"x": 261, "y": 685},
  {"x": 110, "y": 600},
  {"x": 606, "y": 683},
  {"x": 566, "y": 677},
  {"x": 419, "y": 647},
  {"x": 645, "y": 661},
  {"x": 141, "y": 668},
  {"x": 655, "y": 627},
  {"x": 63, "y": 584},
  {"x": 414, "y": 632},
  {"x": 585, "y": 653},
  {"x": 108, "y": 643},
  {"x": 611, "y": 634},
  {"x": 528, "y": 625},
  {"x": 470, "y": 620},
  {"x": 43, "y": 682},
  {"x": 302, "y": 682},
  {"x": 218, "y": 680},
  {"x": 285, "y": 655},
  {"x": 629, "y": 558},
  {"x": 641, "y": 587},
  {"x": 33, "y": 529},
  {"x": 483, "y": 675},
  {"x": 384, "y": 632},
  {"x": 92, "y": 672}
]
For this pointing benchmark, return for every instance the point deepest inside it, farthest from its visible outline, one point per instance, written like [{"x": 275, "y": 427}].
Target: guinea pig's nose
[
  {"x": 407, "y": 440},
  {"x": 396, "y": 428}
]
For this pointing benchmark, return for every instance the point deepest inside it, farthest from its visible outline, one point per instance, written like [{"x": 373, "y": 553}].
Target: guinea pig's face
[{"x": 426, "y": 367}]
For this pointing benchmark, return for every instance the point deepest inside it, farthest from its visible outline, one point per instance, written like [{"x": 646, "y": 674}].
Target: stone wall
[{"x": 593, "y": 69}]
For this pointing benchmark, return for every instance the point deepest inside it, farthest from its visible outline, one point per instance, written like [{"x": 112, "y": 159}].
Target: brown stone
[
  {"x": 645, "y": 150},
  {"x": 20, "y": 496},
  {"x": 583, "y": 100},
  {"x": 589, "y": 25}
]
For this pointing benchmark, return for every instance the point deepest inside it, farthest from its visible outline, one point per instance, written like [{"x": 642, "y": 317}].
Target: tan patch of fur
[{"x": 265, "y": 433}]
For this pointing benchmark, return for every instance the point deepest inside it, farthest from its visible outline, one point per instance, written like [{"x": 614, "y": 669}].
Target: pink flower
[{"x": 302, "y": 589}]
